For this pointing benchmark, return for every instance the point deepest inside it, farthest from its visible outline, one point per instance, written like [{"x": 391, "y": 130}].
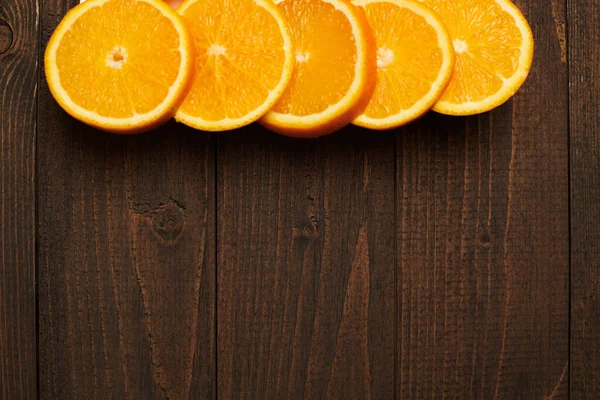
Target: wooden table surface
[{"x": 453, "y": 258}]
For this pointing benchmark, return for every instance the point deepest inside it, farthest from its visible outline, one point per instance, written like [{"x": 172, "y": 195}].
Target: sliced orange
[
  {"x": 494, "y": 51},
  {"x": 335, "y": 72},
  {"x": 117, "y": 71},
  {"x": 173, "y": 3},
  {"x": 244, "y": 61},
  {"x": 415, "y": 61}
]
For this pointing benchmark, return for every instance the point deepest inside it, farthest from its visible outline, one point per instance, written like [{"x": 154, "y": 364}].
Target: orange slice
[
  {"x": 494, "y": 51},
  {"x": 244, "y": 61},
  {"x": 415, "y": 61},
  {"x": 173, "y": 3},
  {"x": 335, "y": 70},
  {"x": 117, "y": 71}
]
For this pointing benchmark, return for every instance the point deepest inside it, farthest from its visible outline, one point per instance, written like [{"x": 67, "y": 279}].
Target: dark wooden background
[{"x": 454, "y": 258}]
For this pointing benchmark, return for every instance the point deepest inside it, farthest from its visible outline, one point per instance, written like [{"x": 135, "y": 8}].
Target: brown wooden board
[
  {"x": 431, "y": 262},
  {"x": 305, "y": 265},
  {"x": 126, "y": 257},
  {"x": 18, "y": 84},
  {"x": 482, "y": 240},
  {"x": 584, "y": 63}
]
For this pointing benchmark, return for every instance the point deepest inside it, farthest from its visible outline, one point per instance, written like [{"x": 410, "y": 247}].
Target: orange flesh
[
  {"x": 325, "y": 57},
  {"x": 240, "y": 58},
  {"x": 409, "y": 58},
  {"x": 487, "y": 44},
  {"x": 117, "y": 67}
]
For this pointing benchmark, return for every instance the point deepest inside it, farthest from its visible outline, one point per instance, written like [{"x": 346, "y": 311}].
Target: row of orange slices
[{"x": 300, "y": 67}]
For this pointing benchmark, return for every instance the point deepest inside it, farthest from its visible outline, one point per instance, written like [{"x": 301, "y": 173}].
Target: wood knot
[
  {"x": 485, "y": 240},
  {"x": 168, "y": 221},
  {"x": 6, "y": 36},
  {"x": 311, "y": 229}
]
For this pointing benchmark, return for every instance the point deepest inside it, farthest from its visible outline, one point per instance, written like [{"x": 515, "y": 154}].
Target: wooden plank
[
  {"x": 126, "y": 257},
  {"x": 584, "y": 67},
  {"x": 483, "y": 240},
  {"x": 305, "y": 266},
  {"x": 18, "y": 85}
]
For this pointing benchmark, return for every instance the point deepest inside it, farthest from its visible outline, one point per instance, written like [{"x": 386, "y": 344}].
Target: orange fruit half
[
  {"x": 113, "y": 69},
  {"x": 335, "y": 72},
  {"x": 494, "y": 50},
  {"x": 415, "y": 61},
  {"x": 244, "y": 61}
]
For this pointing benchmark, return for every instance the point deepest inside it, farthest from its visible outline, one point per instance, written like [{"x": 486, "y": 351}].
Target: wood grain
[
  {"x": 126, "y": 263},
  {"x": 6, "y": 36},
  {"x": 305, "y": 266},
  {"x": 483, "y": 244},
  {"x": 432, "y": 262},
  {"x": 126, "y": 258},
  {"x": 584, "y": 62},
  {"x": 18, "y": 91}
]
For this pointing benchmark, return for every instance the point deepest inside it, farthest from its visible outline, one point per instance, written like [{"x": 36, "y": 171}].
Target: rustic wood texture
[
  {"x": 126, "y": 242},
  {"x": 483, "y": 242},
  {"x": 126, "y": 258},
  {"x": 126, "y": 264},
  {"x": 18, "y": 91},
  {"x": 305, "y": 266},
  {"x": 584, "y": 61},
  {"x": 430, "y": 262}
]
